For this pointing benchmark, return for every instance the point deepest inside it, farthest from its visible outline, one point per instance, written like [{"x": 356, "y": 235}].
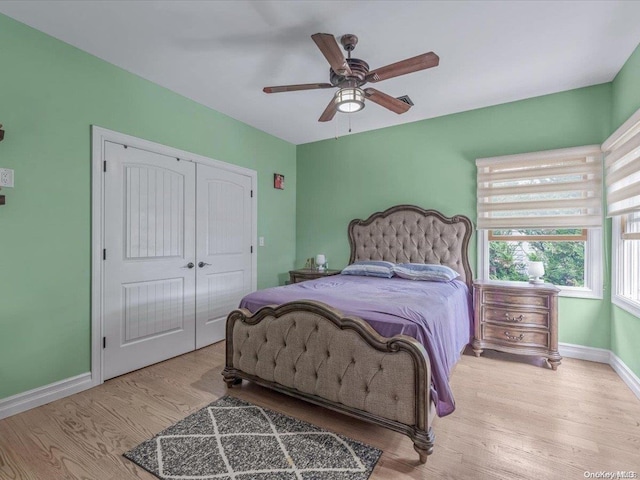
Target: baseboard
[
  {"x": 592, "y": 354},
  {"x": 602, "y": 355},
  {"x": 625, "y": 373},
  {"x": 46, "y": 394},
  {"x": 55, "y": 391}
]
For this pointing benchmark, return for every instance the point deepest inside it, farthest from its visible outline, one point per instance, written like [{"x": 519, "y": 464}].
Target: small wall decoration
[
  {"x": 278, "y": 181},
  {"x": 2, "y": 200}
]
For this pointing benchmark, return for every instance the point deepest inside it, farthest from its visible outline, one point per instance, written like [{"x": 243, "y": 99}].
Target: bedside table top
[
  {"x": 313, "y": 271},
  {"x": 515, "y": 285}
]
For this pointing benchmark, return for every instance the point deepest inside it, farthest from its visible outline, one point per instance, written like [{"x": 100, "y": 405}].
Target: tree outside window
[{"x": 561, "y": 250}]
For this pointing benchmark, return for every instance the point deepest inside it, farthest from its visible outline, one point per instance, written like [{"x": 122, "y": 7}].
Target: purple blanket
[{"x": 437, "y": 314}]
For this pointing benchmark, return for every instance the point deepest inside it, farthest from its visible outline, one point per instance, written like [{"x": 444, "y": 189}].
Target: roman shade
[
  {"x": 550, "y": 189},
  {"x": 622, "y": 162}
]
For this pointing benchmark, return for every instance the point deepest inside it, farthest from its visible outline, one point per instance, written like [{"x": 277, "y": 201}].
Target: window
[
  {"x": 623, "y": 204},
  {"x": 572, "y": 258},
  {"x": 543, "y": 206},
  {"x": 626, "y": 255}
]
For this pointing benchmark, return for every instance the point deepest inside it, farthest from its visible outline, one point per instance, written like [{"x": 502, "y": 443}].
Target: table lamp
[
  {"x": 536, "y": 270},
  {"x": 320, "y": 262}
]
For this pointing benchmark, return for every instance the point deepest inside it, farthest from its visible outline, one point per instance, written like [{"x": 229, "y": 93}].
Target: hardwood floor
[{"x": 532, "y": 423}]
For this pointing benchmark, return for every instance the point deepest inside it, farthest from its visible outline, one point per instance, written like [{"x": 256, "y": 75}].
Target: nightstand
[
  {"x": 297, "y": 276},
  {"x": 517, "y": 317}
]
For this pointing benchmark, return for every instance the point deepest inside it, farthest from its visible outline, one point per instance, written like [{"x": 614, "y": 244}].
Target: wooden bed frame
[{"x": 311, "y": 351}]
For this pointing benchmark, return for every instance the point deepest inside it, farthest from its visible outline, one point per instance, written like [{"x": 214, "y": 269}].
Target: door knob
[
  {"x": 203, "y": 264},
  {"x": 190, "y": 265}
]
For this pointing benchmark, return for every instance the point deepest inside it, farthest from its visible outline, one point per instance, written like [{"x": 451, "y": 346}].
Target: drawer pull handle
[
  {"x": 514, "y": 319},
  {"x": 513, "y": 338}
]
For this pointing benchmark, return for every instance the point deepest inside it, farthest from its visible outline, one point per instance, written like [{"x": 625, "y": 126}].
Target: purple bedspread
[{"x": 437, "y": 314}]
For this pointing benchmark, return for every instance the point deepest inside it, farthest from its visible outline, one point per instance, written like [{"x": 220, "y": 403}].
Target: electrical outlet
[
  {"x": 261, "y": 241},
  {"x": 6, "y": 177}
]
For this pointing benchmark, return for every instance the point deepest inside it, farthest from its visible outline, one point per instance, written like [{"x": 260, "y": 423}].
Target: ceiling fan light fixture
[{"x": 349, "y": 100}]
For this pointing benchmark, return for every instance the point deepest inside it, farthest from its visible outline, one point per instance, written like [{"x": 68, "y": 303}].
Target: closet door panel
[
  {"x": 224, "y": 244},
  {"x": 149, "y": 306}
]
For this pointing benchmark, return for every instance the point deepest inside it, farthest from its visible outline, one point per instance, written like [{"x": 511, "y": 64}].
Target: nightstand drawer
[
  {"x": 502, "y": 298},
  {"x": 515, "y": 336},
  {"x": 514, "y": 316}
]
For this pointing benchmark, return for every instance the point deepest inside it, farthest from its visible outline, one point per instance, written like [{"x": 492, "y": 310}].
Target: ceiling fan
[{"x": 350, "y": 74}]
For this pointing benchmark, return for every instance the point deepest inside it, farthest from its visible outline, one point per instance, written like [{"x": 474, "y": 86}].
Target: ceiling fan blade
[
  {"x": 295, "y": 88},
  {"x": 386, "y": 101},
  {"x": 331, "y": 51},
  {"x": 410, "y": 65},
  {"x": 328, "y": 113}
]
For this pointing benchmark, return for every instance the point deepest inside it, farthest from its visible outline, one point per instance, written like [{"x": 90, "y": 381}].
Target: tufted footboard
[{"x": 308, "y": 350}]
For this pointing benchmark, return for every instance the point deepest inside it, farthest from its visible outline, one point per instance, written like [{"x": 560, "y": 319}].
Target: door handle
[
  {"x": 203, "y": 264},
  {"x": 190, "y": 265}
]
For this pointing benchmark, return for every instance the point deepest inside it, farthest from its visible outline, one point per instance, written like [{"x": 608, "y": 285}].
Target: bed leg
[
  {"x": 230, "y": 379},
  {"x": 423, "y": 444},
  {"x": 422, "y": 452}
]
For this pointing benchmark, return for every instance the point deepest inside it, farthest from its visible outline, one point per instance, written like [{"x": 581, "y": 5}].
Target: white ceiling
[{"x": 221, "y": 53}]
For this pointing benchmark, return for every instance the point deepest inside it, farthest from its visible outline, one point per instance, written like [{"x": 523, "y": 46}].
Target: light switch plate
[
  {"x": 6, "y": 177},
  {"x": 261, "y": 241}
]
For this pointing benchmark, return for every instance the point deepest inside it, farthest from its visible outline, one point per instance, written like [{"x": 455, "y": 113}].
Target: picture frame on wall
[{"x": 278, "y": 181}]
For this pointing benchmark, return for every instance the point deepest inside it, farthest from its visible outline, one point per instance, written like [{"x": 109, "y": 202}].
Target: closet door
[
  {"x": 149, "y": 270},
  {"x": 224, "y": 248}
]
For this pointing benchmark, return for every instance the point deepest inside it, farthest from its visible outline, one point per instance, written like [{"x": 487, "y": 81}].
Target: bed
[{"x": 364, "y": 346}]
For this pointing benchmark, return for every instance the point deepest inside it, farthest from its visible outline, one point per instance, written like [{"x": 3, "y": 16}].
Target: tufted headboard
[{"x": 406, "y": 233}]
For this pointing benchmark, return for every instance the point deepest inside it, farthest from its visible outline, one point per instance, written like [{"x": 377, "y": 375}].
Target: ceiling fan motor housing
[
  {"x": 359, "y": 69},
  {"x": 349, "y": 41}
]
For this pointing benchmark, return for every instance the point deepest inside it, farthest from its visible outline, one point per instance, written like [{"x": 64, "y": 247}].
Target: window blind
[
  {"x": 551, "y": 189},
  {"x": 622, "y": 163}
]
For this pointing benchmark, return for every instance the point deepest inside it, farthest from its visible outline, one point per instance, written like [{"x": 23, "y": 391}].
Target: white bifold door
[{"x": 178, "y": 255}]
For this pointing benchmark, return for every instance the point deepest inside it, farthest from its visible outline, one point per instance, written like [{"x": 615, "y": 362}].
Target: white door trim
[{"x": 99, "y": 136}]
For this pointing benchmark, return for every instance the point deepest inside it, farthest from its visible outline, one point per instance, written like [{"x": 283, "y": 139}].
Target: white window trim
[
  {"x": 618, "y": 300},
  {"x": 593, "y": 265}
]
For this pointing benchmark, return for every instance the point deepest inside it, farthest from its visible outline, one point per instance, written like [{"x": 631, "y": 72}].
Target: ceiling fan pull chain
[{"x": 349, "y": 122}]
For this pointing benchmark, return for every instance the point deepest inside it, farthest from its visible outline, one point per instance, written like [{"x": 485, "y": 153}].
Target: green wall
[
  {"x": 50, "y": 95},
  {"x": 625, "y": 94},
  {"x": 625, "y": 338},
  {"x": 625, "y": 327},
  {"x": 431, "y": 163}
]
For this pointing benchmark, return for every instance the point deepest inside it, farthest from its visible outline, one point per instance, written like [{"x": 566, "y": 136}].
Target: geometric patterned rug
[{"x": 231, "y": 439}]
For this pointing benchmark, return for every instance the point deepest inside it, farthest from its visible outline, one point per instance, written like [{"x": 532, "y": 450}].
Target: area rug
[{"x": 231, "y": 439}]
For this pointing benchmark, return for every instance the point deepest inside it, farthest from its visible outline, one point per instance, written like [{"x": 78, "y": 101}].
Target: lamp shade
[
  {"x": 349, "y": 100},
  {"x": 320, "y": 259},
  {"x": 535, "y": 270}
]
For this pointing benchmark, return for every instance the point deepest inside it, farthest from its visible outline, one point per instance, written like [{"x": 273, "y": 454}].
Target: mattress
[{"x": 437, "y": 314}]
